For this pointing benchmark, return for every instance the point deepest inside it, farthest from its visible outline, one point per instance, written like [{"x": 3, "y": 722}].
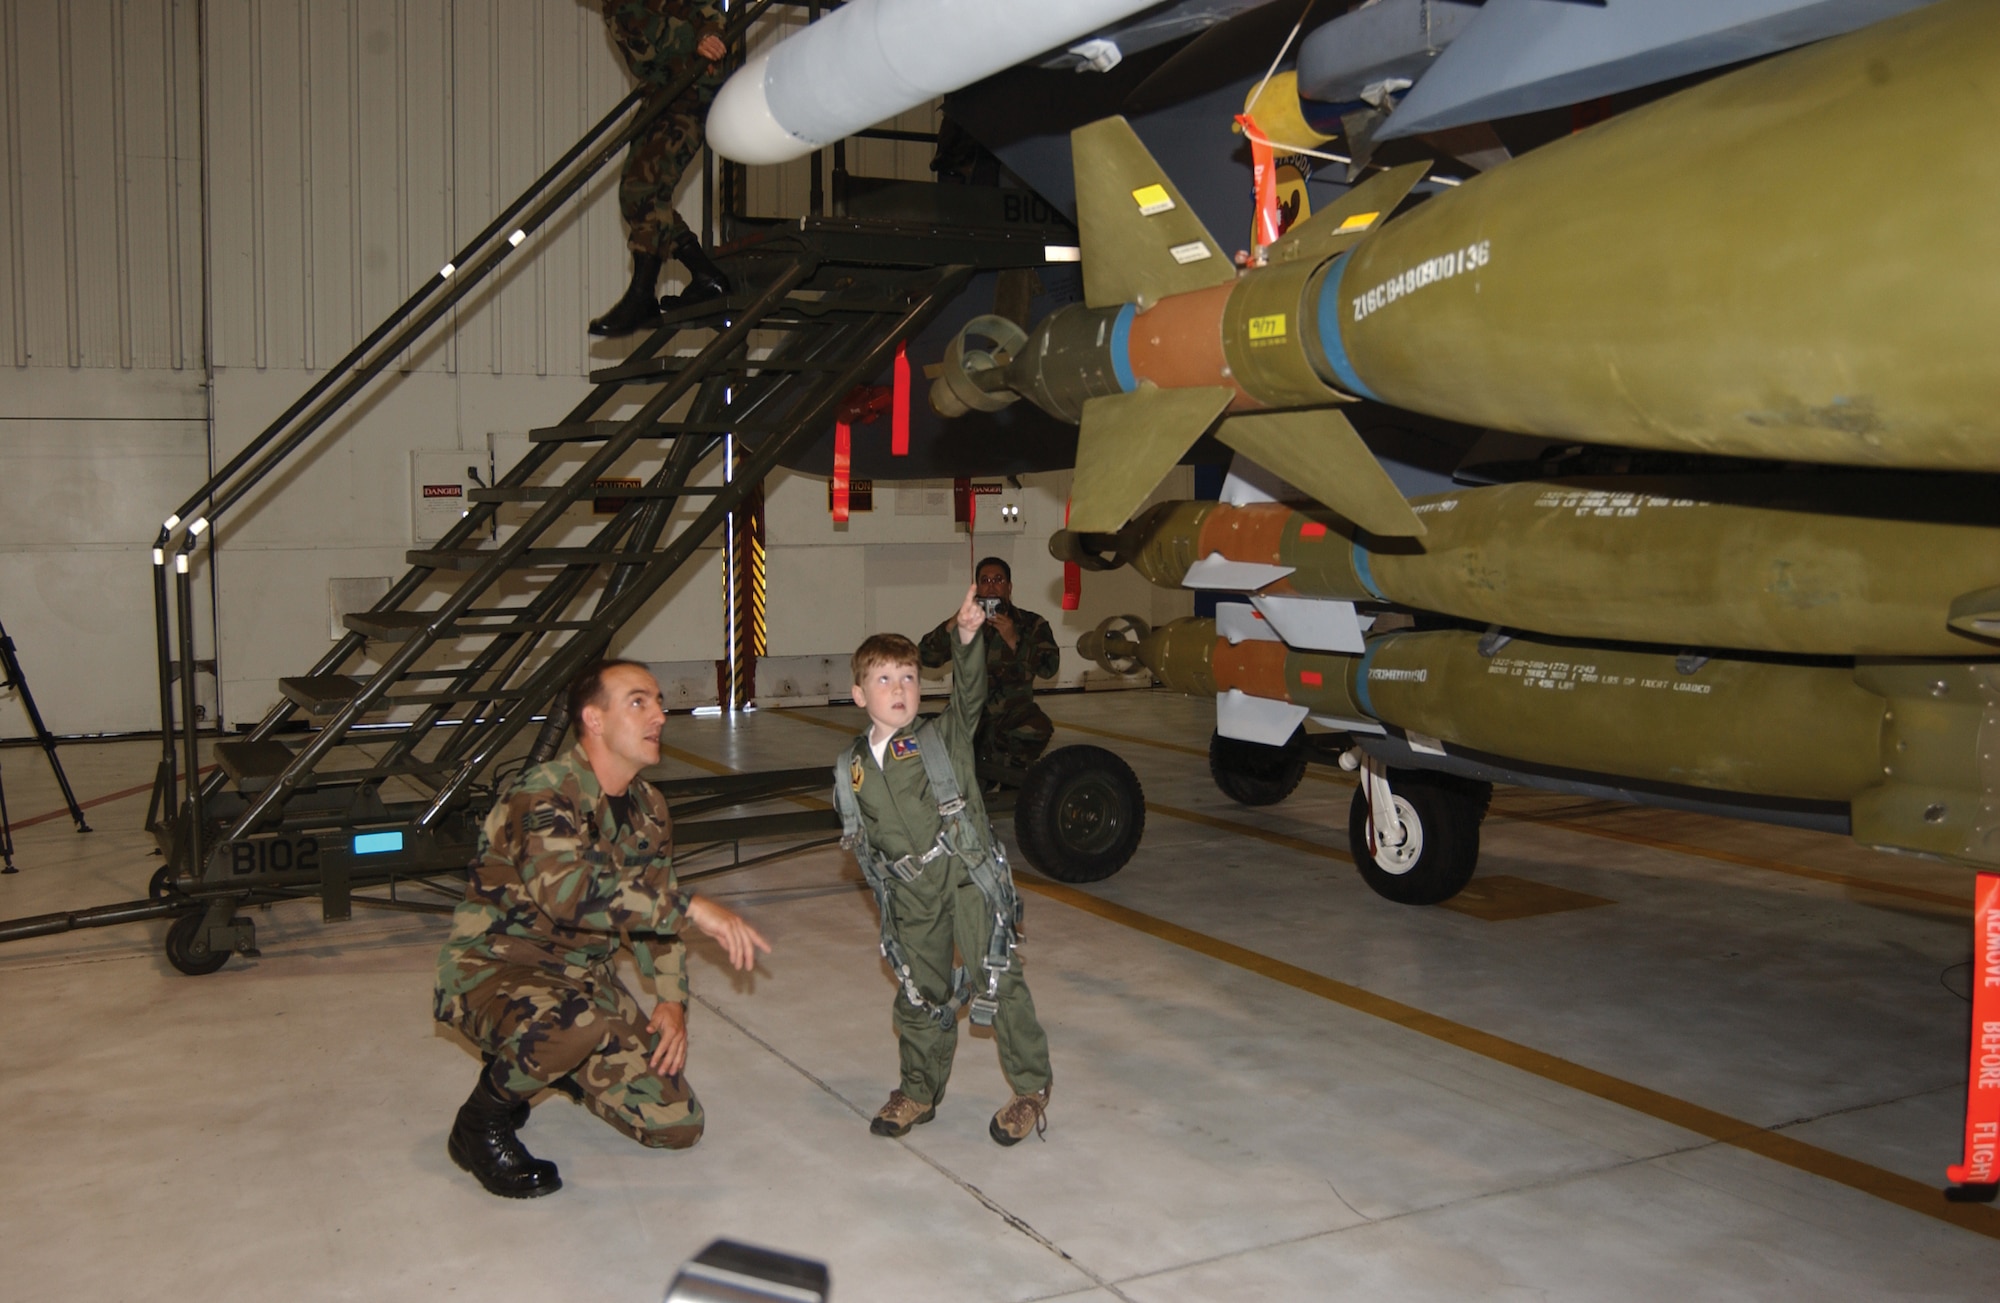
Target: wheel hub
[{"x": 1399, "y": 859}]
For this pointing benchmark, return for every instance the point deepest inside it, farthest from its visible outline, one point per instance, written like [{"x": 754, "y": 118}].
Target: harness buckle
[
  {"x": 946, "y": 809},
  {"x": 984, "y": 1009}
]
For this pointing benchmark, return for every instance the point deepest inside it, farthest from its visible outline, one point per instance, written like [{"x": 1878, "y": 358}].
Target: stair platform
[
  {"x": 388, "y": 626},
  {"x": 322, "y": 694},
  {"x": 252, "y": 765},
  {"x": 473, "y": 558}
]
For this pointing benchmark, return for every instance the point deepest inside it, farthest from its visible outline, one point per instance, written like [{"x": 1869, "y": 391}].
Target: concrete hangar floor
[{"x": 1270, "y": 1083}]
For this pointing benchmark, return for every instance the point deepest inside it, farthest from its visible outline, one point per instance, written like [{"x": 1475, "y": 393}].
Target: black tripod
[{"x": 12, "y": 680}]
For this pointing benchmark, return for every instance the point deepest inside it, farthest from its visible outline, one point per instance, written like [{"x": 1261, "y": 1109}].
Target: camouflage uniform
[
  {"x": 1014, "y": 731},
  {"x": 942, "y": 907},
  {"x": 657, "y": 38},
  {"x": 528, "y": 973}
]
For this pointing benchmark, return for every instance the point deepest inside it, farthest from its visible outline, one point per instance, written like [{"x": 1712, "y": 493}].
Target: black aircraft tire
[
  {"x": 1444, "y": 812},
  {"x": 1080, "y": 814},
  {"x": 1250, "y": 773},
  {"x": 182, "y": 952}
]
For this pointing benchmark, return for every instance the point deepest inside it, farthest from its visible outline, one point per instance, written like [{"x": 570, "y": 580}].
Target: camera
[{"x": 990, "y": 605}]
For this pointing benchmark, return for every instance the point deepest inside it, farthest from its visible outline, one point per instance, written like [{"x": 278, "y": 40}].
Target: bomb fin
[
  {"x": 1341, "y": 225},
  {"x": 1141, "y": 241},
  {"x": 1321, "y": 453},
  {"x": 1126, "y": 444}
]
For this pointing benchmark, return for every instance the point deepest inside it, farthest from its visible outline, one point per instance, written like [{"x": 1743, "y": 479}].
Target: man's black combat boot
[
  {"x": 483, "y": 1143},
  {"x": 640, "y": 308},
  {"x": 705, "y": 279}
]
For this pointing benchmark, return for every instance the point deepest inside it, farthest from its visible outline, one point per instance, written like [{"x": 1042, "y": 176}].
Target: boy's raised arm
[{"x": 968, "y": 666}]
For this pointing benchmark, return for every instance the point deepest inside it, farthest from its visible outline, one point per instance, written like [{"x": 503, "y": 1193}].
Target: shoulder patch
[
  {"x": 855, "y": 772},
  {"x": 902, "y": 747},
  {"x": 540, "y": 819}
]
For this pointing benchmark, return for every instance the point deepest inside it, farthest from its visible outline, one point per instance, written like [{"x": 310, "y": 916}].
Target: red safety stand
[{"x": 1977, "y": 1179}]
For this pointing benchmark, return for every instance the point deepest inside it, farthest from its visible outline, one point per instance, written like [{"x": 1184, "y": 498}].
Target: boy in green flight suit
[{"x": 940, "y": 881}]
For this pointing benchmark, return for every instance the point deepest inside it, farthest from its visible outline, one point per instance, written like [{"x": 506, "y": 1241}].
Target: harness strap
[{"x": 986, "y": 865}]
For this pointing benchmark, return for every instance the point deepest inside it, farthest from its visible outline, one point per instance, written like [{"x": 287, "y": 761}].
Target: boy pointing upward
[{"x": 910, "y": 805}]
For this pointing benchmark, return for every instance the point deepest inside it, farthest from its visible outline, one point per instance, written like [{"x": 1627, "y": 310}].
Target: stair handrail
[{"x": 258, "y": 458}]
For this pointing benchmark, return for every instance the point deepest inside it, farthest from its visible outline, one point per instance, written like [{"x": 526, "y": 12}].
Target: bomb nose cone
[{"x": 741, "y": 126}]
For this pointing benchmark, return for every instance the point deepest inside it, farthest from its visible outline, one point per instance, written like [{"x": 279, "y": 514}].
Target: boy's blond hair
[{"x": 882, "y": 649}]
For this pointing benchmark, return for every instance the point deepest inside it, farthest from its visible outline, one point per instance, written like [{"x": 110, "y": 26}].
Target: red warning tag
[
  {"x": 1982, "y": 1086},
  {"x": 843, "y": 461},
  {"x": 1265, "y": 226},
  {"x": 899, "y": 417},
  {"x": 1072, "y": 595}
]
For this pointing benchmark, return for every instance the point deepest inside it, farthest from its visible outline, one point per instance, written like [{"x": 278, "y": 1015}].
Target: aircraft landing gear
[
  {"x": 1080, "y": 814},
  {"x": 1251, "y": 773},
  {"x": 1425, "y": 853}
]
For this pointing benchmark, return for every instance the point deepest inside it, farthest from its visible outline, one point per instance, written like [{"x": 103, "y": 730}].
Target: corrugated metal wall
[
  {"x": 356, "y": 144},
  {"x": 102, "y": 203}
]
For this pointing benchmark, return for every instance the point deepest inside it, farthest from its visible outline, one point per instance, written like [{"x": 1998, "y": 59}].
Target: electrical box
[
  {"x": 439, "y": 485},
  {"x": 993, "y": 508}
]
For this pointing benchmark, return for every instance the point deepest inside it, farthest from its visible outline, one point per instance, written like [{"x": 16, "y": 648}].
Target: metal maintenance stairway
[
  {"x": 487, "y": 627},
  {"x": 376, "y": 766}
]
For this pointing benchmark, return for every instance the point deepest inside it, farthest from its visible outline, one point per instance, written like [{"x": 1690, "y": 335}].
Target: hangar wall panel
[
  {"x": 103, "y": 418},
  {"x": 102, "y": 184}
]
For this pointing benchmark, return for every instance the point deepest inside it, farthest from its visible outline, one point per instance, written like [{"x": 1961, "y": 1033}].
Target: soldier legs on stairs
[
  {"x": 661, "y": 40},
  {"x": 639, "y": 308}
]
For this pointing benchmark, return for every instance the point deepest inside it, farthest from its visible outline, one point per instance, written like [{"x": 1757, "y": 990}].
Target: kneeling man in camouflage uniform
[{"x": 576, "y": 864}]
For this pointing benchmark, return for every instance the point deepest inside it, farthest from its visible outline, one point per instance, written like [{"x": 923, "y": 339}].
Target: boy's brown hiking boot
[
  {"x": 1020, "y": 1117},
  {"x": 900, "y": 1114}
]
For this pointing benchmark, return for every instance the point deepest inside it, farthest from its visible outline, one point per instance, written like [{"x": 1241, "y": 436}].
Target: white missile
[{"x": 871, "y": 59}]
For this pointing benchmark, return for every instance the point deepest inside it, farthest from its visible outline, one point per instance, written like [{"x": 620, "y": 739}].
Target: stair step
[
  {"x": 322, "y": 694},
  {"x": 253, "y": 764},
  {"x": 387, "y": 626},
  {"x": 401, "y": 626},
  {"x": 597, "y": 431},
  {"x": 472, "y": 558},
  {"x": 448, "y": 698},
  {"x": 544, "y": 493},
  {"x": 655, "y": 368}
]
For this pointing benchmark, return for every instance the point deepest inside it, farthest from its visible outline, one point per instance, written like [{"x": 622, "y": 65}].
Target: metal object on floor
[
  {"x": 13, "y": 680},
  {"x": 729, "y": 1272}
]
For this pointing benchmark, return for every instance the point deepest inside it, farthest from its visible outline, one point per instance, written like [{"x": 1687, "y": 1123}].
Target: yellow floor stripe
[
  {"x": 1963, "y": 905},
  {"x": 1249, "y": 830},
  {"x": 1132, "y": 737},
  {"x": 1852, "y": 881},
  {"x": 803, "y": 718},
  {"x": 690, "y": 758},
  {"x": 1797, "y": 1154},
  {"x": 717, "y": 767}
]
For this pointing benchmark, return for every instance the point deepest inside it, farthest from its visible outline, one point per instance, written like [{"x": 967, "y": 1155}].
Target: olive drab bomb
[
  {"x": 1781, "y": 308},
  {"x": 1901, "y": 744}
]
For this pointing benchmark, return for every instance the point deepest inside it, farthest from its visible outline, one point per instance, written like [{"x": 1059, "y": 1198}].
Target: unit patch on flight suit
[
  {"x": 902, "y": 747},
  {"x": 855, "y": 772}
]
